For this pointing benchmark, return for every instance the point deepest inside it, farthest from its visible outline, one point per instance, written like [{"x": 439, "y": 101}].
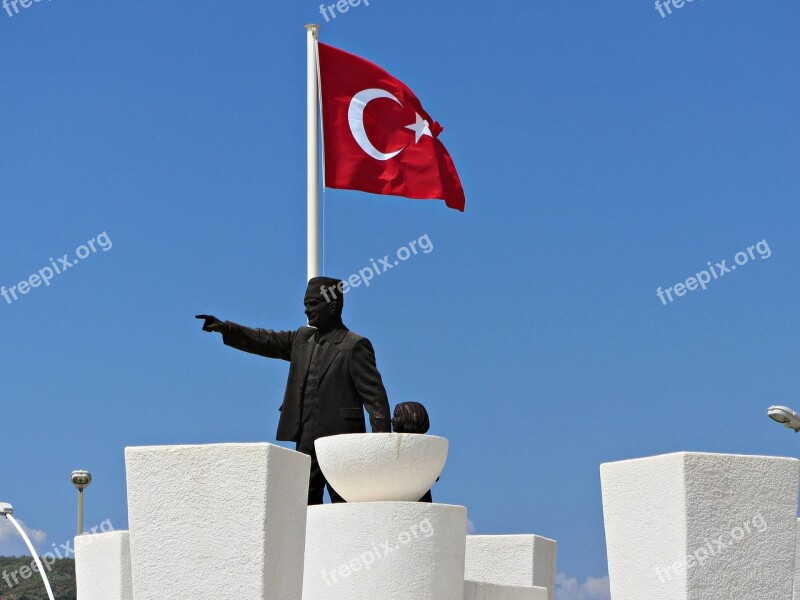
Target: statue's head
[
  {"x": 410, "y": 417},
  {"x": 324, "y": 302}
]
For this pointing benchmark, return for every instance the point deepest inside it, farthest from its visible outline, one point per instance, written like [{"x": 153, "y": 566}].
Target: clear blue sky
[{"x": 605, "y": 152}]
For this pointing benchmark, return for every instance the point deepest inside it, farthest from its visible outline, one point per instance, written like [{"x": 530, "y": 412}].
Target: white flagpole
[{"x": 313, "y": 150}]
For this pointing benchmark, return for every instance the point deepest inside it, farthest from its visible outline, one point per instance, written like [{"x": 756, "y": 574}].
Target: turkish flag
[{"x": 377, "y": 136}]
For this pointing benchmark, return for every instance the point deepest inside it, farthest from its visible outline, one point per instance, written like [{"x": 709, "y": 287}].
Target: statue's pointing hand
[{"x": 210, "y": 323}]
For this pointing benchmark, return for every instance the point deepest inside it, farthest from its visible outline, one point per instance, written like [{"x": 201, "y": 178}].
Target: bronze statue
[
  {"x": 332, "y": 375},
  {"x": 412, "y": 417}
]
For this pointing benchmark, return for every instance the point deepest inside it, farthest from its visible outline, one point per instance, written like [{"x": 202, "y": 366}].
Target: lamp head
[
  {"x": 6, "y": 509},
  {"x": 81, "y": 479},
  {"x": 785, "y": 416}
]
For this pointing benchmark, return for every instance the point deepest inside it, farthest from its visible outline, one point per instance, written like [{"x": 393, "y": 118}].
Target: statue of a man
[{"x": 332, "y": 375}]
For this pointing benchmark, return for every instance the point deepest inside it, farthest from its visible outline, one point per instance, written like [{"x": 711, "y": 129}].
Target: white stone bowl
[{"x": 374, "y": 467}]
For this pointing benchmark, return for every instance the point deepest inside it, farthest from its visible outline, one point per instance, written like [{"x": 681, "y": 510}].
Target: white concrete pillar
[
  {"x": 217, "y": 521},
  {"x": 103, "y": 566},
  {"x": 382, "y": 550},
  {"x": 527, "y": 560},
  {"x": 796, "y": 595},
  {"x": 478, "y": 590},
  {"x": 701, "y": 526}
]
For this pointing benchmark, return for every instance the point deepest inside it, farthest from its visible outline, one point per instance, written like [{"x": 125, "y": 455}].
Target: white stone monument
[
  {"x": 701, "y": 526},
  {"x": 381, "y": 466},
  {"x": 519, "y": 560},
  {"x": 390, "y": 547},
  {"x": 217, "y": 521},
  {"x": 796, "y": 595},
  {"x": 478, "y": 590},
  {"x": 103, "y": 566},
  {"x": 231, "y": 521},
  {"x": 387, "y": 550}
]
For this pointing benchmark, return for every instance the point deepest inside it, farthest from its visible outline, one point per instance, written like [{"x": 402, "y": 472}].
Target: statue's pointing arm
[
  {"x": 264, "y": 342},
  {"x": 368, "y": 382}
]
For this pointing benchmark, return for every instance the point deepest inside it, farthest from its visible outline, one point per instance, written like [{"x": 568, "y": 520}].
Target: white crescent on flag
[{"x": 355, "y": 116}]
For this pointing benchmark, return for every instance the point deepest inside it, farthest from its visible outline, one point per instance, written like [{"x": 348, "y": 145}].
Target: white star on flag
[{"x": 420, "y": 128}]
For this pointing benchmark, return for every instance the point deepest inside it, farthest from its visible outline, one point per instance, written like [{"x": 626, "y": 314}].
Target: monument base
[
  {"x": 478, "y": 590},
  {"x": 217, "y": 521},
  {"x": 698, "y": 526},
  {"x": 517, "y": 560},
  {"x": 103, "y": 566},
  {"x": 397, "y": 550}
]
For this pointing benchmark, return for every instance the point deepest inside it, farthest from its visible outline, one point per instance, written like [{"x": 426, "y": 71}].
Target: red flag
[{"x": 377, "y": 136}]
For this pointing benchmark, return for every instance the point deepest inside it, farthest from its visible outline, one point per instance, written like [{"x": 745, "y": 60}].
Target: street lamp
[
  {"x": 6, "y": 511},
  {"x": 785, "y": 416},
  {"x": 81, "y": 480}
]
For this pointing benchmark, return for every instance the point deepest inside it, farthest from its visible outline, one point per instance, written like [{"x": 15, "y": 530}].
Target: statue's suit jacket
[{"x": 349, "y": 380}]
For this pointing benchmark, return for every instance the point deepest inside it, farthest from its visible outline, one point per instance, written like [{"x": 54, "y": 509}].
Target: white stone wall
[
  {"x": 217, "y": 521},
  {"x": 230, "y": 521},
  {"x": 103, "y": 566},
  {"x": 701, "y": 526},
  {"x": 521, "y": 560},
  {"x": 477, "y": 590},
  {"x": 796, "y": 595}
]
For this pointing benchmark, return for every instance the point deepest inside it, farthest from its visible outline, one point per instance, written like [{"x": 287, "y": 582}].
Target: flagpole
[{"x": 312, "y": 91}]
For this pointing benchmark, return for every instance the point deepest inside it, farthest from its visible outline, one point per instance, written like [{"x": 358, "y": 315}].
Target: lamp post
[
  {"x": 785, "y": 416},
  {"x": 6, "y": 511},
  {"x": 81, "y": 480}
]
